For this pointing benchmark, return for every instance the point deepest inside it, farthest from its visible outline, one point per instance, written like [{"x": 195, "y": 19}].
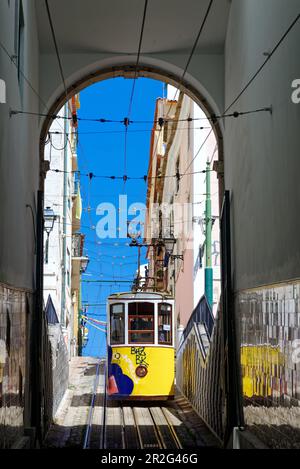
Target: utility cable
[
  {"x": 125, "y": 177},
  {"x": 270, "y": 55},
  {"x": 127, "y": 119},
  {"x": 204, "y": 21},
  {"x": 248, "y": 84},
  {"x": 56, "y": 48},
  {"x": 138, "y": 58},
  {"x": 126, "y": 122}
]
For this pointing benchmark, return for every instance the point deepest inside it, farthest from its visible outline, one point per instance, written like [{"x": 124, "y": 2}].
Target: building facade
[
  {"x": 64, "y": 260},
  {"x": 206, "y": 197},
  {"x": 176, "y": 204}
]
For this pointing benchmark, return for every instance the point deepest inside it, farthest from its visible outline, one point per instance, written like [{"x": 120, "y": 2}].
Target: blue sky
[{"x": 103, "y": 154}]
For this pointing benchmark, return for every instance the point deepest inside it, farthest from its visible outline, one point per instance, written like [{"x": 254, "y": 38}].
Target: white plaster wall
[
  {"x": 205, "y": 74},
  {"x": 19, "y": 159},
  {"x": 205, "y": 147},
  {"x": 262, "y": 151},
  {"x": 54, "y": 198}
]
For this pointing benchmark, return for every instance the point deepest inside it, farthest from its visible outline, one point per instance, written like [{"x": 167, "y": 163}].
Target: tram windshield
[{"x": 141, "y": 323}]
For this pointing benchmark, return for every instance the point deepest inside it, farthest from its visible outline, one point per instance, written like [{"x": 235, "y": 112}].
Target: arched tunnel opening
[
  {"x": 124, "y": 127},
  {"x": 165, "y": 159}
]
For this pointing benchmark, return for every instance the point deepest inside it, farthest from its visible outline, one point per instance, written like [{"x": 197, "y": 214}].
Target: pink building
[{"x": 169, "y": 205}]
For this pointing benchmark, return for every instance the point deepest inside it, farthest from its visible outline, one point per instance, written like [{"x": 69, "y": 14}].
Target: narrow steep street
[{"x": 172, "y": 424}]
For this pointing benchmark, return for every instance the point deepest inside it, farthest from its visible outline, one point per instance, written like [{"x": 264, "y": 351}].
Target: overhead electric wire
[
  {"x": 55, "y": 148},
  {"x": 138, "y": 58},
  {"x": 112, "y": 282},
  {"x": 20, "y": 71},
  {"x": 269, "y": 56},
  {"x": 161, "y": 121},
  {"x": 56, "y": 48},
  {"x": 187, "y": 64},
  {"x": 252, "y": 79},
  {"x": 197, "y": 38},
  {"x": 197, "y": 153},
  {"x": 104, "y": 132},
  {"x": 11, "y": 58},
  {"x": 124, "y": 177},
  {"x": 127, "y": 119}
]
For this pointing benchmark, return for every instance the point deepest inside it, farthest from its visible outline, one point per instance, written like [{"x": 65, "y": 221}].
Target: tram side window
[
  {"x": 164, "y": 324},
  {"x": 117, "y": 324},
  {"x": 141, "y": 323}
]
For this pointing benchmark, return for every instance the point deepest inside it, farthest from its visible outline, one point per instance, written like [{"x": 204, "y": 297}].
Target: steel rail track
[
  {"x": 104, "y": 407},
  {"x": 148, "y": 427},
  {"x": 88, "y": 432}
]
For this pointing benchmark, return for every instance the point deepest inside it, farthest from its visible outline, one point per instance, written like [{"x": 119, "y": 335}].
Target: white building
[
  {"x": 205, "y": 150},
  {"x": 59, "y": 187}
]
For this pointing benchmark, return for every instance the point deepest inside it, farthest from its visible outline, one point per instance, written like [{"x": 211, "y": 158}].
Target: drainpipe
[
  {"x": 65, "y": 208},
  {"x": 37, "y": 329},
  {"x": 208, "y": 230}
]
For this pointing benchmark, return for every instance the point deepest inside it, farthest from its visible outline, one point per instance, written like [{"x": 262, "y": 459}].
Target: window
[
  {"x": 117, "y": 323},
  {"x": 164, "y": 324},
  {"x": 141, "y": 323}
]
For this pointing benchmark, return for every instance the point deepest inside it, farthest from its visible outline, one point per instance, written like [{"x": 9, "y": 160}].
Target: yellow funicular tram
[{"x": 141, "y": 352}]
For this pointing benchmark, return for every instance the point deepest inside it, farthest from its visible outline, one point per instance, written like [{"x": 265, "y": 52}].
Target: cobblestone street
[{"x": 69, "y": 425}]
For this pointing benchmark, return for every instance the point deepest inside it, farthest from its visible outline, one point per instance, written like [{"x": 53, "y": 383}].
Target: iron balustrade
[
  {"x": 198, "y": 367},
  {"x": 77, "y": 245},
  {"x": 202, "y": 314}
]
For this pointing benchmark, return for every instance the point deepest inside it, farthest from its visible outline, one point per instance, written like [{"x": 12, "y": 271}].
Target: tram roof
[{"x": 139, "y": 296}]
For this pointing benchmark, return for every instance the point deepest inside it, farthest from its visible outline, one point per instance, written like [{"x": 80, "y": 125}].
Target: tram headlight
[{"x": 141, "y": 371}]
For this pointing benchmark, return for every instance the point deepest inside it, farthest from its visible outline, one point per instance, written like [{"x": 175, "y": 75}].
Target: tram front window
[
  {"x": 117, "y": 324},
  {"x": 141, "y": 323}
]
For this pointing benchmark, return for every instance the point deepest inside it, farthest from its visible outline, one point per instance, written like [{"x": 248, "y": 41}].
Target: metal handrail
[
  {"x": 202, "y": 314},
  {"x": 198, "y": 369}
]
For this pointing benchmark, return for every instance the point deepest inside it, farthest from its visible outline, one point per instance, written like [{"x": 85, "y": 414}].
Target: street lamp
[
  {"x": 169, "y": 244},
  {"x": 84, "y": 264},
  {"x": 49, "y": 218}
]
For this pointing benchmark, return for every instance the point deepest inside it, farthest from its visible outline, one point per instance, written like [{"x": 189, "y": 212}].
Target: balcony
[
  {"x": 79, "y": 261},
  {"x": 77, "y": 207},
  {"x": 77, "y": 244}
]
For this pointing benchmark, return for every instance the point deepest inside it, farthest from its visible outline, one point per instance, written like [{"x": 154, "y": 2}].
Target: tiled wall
[
  {"x": 269, "y": 322},
  {"x": 13, "y": 311}
]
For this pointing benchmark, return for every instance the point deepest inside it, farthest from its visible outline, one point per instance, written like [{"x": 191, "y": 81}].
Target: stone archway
[{"x": 164, "y": 72}]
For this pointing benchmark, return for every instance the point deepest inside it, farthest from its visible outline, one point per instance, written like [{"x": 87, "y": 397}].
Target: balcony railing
[
  {"x": 76, "y": 185},
  {"x": 77, "y": 244}
]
